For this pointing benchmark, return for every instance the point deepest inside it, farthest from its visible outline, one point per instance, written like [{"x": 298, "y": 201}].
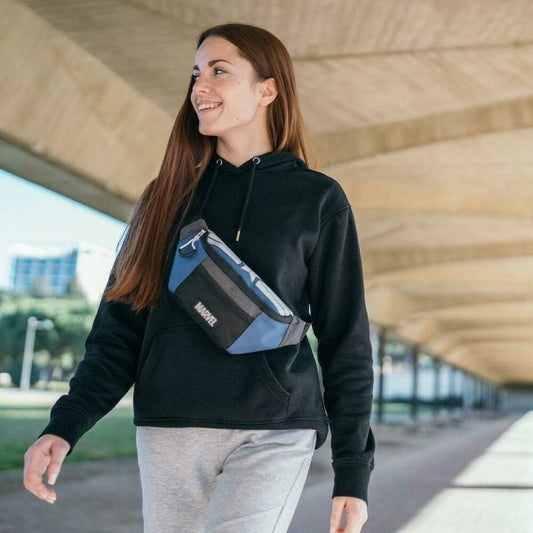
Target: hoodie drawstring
[{"x": 256, "y": 160}]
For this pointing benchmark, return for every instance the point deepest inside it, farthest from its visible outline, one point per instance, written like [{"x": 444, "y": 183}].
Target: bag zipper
[{"x": 192, "y": 243}]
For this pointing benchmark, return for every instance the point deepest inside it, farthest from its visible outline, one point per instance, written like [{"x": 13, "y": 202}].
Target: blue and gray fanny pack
[{"x": 226, "y": 298}]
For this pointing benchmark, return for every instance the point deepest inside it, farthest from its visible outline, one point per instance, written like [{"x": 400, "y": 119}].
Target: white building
[{"x": 57, "y": 269}]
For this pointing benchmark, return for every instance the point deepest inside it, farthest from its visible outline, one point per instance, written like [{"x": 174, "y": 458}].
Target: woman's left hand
[{"x": 356, "y": 514}]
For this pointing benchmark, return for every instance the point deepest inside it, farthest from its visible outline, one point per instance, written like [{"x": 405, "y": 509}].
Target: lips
[{"x": 208, "y": 105}]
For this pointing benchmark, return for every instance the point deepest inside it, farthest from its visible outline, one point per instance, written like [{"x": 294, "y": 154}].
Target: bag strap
[{"x": 210, "y": 188}]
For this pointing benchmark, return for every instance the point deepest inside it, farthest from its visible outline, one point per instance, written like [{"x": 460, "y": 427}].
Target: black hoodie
[{"x": 299, "y": 236}]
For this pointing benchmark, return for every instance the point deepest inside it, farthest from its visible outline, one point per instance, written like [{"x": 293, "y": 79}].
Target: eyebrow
[{"x": 212, "y": 62}]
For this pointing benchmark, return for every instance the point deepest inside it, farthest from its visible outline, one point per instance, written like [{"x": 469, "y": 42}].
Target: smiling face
[{"x": 229, "y": 99}]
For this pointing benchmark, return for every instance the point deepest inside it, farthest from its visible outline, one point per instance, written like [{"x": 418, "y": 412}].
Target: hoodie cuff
[
  {"x": 351, "y": 479},
  {"x": 68, "y": 424}
]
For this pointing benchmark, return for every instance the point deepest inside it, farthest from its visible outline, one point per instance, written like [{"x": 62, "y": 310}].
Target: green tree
[{"x": 72, "y": 318}]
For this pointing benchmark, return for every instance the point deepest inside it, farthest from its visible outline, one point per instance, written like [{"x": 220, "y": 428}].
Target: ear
[{"x": 268, "y": 91}]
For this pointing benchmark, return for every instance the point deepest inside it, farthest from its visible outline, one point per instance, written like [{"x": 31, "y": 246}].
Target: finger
[
  {"x": 353, "y": 525},
  {"x": 35, "y": 464},
  {"x": 59, "y": 452},
  {"x": 336, "y": 514},
  {"x": 33, "y": 483}
]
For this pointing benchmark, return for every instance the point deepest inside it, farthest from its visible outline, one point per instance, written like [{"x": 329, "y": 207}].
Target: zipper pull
[{"x": 189, "y": 248}]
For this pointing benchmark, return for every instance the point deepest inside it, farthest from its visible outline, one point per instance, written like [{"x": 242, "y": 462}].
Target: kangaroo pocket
[{"x": 185, "y": 376}]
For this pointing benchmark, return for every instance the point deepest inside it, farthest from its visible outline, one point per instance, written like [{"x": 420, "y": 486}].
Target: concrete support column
[
  {"x": 492, "y": 401},
  {"x": 451, "y": 390},
  {"x": 481, "y": 391},
  {"x": 475, "y": 393},
  {"x": 414, "y": 390},
  {"x": 382, "y": 337},
  {"x": 467, "y": 391},
  {"x": 461, "y": 390},
  {"x": 478, "y": 394},
  {"x": 497, "y": 398},
  {"x": 487, "y": 396},
  {"x": 436, "y": 387}
]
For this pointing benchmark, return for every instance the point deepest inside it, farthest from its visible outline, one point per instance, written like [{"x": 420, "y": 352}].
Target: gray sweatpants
[{"x": 199, "y": 480}]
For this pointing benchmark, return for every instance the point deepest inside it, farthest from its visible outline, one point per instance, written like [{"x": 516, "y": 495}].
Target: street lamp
[{"x": 27, "y": 360}]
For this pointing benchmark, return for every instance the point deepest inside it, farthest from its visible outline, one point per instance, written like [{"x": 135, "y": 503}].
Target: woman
[{"x": 225, "y": 441}]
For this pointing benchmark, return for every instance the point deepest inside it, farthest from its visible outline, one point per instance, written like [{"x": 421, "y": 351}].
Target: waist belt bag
[{"x": 236, "y": 309}]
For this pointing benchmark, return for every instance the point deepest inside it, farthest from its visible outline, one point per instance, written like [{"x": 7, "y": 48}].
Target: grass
[
  {"x": 395, "y": 408},
  {"x": 111, "y": 437},
  {"x": 23, "y": 418}
]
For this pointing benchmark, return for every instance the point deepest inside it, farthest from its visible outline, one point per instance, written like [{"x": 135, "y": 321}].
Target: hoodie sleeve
[
  {"x": 340, "y": 323},
  {"x": 105, "y": 374}
]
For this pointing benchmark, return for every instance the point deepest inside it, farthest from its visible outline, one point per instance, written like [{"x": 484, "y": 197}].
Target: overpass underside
[{"x": 422, "y": 110}]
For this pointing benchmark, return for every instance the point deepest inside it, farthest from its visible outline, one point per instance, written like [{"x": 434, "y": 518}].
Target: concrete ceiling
[{"x": 422, "y": 109}]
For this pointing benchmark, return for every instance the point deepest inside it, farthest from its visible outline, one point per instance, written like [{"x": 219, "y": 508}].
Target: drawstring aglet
[{"x": 238, "y": 236}]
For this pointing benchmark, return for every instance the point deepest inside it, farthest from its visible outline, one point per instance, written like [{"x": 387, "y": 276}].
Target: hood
[{"x": 271, "y": 162}]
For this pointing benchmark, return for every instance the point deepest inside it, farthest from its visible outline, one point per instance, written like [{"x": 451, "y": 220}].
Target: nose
[{"x": 201, "y": 86}]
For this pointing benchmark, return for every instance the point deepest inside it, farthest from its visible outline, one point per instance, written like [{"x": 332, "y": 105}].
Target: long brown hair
[{"x": 137, "y": 275}]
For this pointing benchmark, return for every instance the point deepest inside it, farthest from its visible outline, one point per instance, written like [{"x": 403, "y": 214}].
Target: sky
[{"x": 34, "y": 215}]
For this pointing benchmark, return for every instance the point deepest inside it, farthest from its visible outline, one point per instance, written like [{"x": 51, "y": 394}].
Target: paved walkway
[
  {"x": 471, "y": 477},
  {"x": 475, "y": 476}
]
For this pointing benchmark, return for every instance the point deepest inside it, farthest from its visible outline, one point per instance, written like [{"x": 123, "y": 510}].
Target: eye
[
  {"x": 219, "y": 71},
  {"x": 195, "y": 77}
]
